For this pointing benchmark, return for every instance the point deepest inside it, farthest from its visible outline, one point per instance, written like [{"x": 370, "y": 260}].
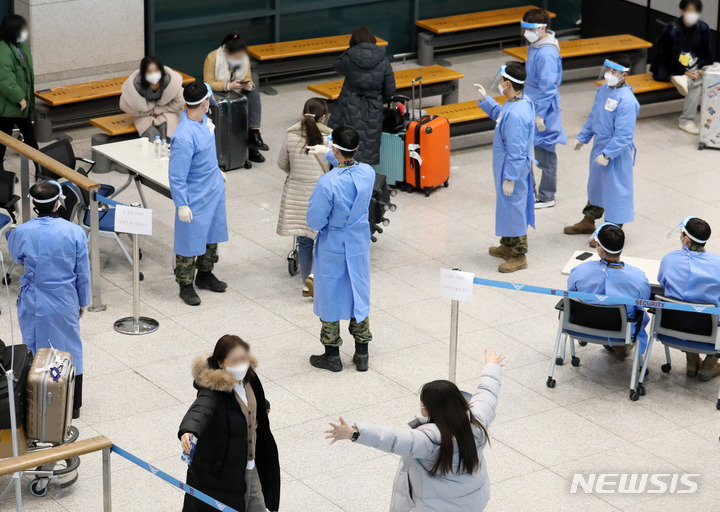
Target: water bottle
[
  {"x": 158, "y": 147},
  {"x": 165, "y": 149}
]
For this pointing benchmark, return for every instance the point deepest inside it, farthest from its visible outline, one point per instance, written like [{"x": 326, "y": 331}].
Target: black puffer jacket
[
  {"x": 369, "y": 80},
  {"x": 675, "y": 39},
  {"x": 218, "y": 466}
]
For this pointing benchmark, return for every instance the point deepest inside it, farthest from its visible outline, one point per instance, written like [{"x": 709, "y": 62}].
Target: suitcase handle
[{"x": 417, "y": 80}]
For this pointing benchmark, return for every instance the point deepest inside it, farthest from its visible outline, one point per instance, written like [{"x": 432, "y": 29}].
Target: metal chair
[
  {"x": 62, "y": 151},
  {"x": 599, "y": 324},
  {"x": 688, "y": 331},
  {"x": 8, "y": 200}
]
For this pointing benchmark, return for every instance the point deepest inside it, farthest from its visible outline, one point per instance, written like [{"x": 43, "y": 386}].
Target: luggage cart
[
  {"x": 63, "y": 472},
  {"x": 292, "y": 258}
]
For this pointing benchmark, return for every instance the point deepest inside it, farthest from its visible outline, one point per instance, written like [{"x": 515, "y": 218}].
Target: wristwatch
[{"x": 355, "y": 434}]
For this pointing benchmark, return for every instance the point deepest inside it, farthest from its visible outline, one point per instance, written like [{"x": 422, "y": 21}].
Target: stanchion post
[
  {"x": 96, "y": 304},
  {"x": 24, "y": 188},
  {"x": 107, "y": 488},
  {"x": 454, "y": 315},
  {"x": 13, "y": 437}
]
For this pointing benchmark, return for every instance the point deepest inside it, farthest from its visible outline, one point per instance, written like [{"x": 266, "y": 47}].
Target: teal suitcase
[{"x": 392, "y": 158}]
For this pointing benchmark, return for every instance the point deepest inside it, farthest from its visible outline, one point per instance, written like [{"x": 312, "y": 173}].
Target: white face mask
[
  {"x": 691, "y": 18},
  {"x": 611, "y": 79},
  {"x": 235, "y": 63},
  {"x": 153, "y": 78},
  {"x": 531, "y": 36},
  {"x": 23, "y": 36},
  {"x": 501, "y": 88},
  {"x": 238, "y": 371}
]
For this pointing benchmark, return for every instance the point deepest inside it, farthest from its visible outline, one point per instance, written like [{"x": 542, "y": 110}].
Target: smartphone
[{"x": 584, "y": 256}]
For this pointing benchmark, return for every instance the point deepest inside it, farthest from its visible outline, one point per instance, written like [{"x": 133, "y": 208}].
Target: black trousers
[
  {"x": 78, "y": 391},
  {"x": 25, "y": 126}
]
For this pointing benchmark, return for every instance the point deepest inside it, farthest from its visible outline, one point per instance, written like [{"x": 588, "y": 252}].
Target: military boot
[
  {"x": 189, "y": 295},
  {"x": 622, "y": 351},
  {"x": 517, "y": 262},
  {"x": 709, "y": 369},
  {"x": 502, "y": 251},
  {"x": 584, "y": 227},
  {"x": 693, "y": 364},
  {"x": 330, "y": 360},
  {"x": 361, "y": 357},
  {"x": 208, "y": 281}
]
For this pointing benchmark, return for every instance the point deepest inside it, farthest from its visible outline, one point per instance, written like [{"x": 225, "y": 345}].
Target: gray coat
[
  {"x": 414, "y": 489},
  {"x": 369, "y": 79}
]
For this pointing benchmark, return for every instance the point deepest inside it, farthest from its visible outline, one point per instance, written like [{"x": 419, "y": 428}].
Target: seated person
[
  {"x": 683, "y": 50},
  {"x": 610, "y": 276},
  {"x": 153, "y": 96},
  {"x": 227, "y": 69},
  {"x": 693, "y": 275}
]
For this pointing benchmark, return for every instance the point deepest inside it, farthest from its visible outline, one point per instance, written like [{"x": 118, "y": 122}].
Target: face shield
[
  {"x": 680, "y": 228},
  {"x": 596, "y": 234},
  {"x": 531, "y": 31},
  {"x": 611, "y": 73},
  {"x": 58, "y": 197},
  {"x": 208, "y": 94},
  {"x": 502, "y": 76}
]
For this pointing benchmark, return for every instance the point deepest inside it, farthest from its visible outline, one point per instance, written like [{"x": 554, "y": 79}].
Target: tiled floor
[{"x": 137, "y": 388}]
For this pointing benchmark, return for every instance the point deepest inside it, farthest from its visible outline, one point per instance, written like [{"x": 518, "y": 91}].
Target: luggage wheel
[
  {"x": 7, "y": 279},
  {"x": 427, "y": 192},
  {"x": 447, "y": 183},
  {"x": 39, "y": 487},
  {"x": 292, "y": 263},
  {"x": 247, "y": 164}
]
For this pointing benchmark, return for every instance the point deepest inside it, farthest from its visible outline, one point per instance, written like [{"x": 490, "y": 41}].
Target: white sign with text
[
  {"x": 129, "y": 219},
  {"x": 456, "y": 285}
]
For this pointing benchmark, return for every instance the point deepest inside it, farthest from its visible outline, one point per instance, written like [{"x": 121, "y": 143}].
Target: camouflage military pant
[
  {"x": 593, "y": 212},
  {"x": 518, "y": 244},
  {"x": 330, "y": 332},
  {"x": 185, "y": 265}
]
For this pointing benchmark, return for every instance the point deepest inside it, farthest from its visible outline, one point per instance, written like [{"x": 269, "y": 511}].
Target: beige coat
[
  {"x": 303, "y": 172},
  {"x": 167, "y": 109}
]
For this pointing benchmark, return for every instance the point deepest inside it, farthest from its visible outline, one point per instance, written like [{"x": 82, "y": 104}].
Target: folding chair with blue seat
[
  {"x": 63, "y": 152},
  {"x": 688, "y": 331},
  {"x": 599, "y": 324}
]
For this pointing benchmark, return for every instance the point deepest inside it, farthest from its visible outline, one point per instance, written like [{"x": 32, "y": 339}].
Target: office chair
[{"x": 62, "y": 151}]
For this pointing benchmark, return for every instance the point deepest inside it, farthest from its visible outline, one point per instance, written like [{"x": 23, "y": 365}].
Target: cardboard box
[{"x": 6, "y": 450}]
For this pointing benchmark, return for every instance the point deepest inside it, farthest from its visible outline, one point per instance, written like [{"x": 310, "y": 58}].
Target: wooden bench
[
  {"x": 436, "y": 80},
  {"x": 649, "y": 91},
  {"x": 584, "y": 53},
  {"x": 301, "y": 56},
  {"x": 120, "y": 124},
  {"x": 472, "y": 28},
  {"x": 72, "y": 105}
]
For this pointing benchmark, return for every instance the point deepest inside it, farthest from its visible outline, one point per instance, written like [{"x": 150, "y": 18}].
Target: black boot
[
  {"x": 361, "y": 357},
  {"x": 255, "y": 141},
  {"x": 330, "y": 360},
  {"x": 208, "y": 281},
  {"x": 255, "y": 156},
  {"x": 188, "y": 294}
]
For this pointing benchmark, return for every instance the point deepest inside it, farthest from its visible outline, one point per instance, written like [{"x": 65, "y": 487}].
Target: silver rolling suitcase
[{"x": 710, "y": 108}]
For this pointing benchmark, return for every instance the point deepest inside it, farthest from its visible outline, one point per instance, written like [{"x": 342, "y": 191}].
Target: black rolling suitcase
[
  {"x": 230, "y": 117},
  {"x": 21, "y": 369}
]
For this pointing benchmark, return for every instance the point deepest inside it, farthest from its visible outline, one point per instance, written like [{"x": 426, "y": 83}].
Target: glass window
[{"x": 180, "y": 10}]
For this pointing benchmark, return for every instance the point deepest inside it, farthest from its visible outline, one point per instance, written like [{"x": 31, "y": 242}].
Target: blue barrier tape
[
  {"x": 591, "y": 297},
  {"x": 173, "y": 481}
]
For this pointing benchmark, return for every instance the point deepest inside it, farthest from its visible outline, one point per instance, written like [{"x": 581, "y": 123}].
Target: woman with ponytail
[{"x": 303, "y": 170}]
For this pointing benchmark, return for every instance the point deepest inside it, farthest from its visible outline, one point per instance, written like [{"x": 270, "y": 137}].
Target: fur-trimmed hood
[{"x": 214, "y": 379}]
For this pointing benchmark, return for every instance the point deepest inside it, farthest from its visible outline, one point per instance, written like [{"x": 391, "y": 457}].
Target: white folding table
[{"x": 650, "y": 267}]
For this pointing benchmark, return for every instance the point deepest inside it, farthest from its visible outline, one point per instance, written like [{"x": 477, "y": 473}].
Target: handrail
[
  {"x": 62, "y": 452},
  {"x": 85, "y": 183},
  {"x": 49, "y": 163}
]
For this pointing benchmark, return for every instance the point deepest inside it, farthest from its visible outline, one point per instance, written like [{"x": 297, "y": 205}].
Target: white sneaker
[
  {"x": 539, "y": 205},
  {"x": 681, "y": 83},
  {"x": 690, "y": 128}
]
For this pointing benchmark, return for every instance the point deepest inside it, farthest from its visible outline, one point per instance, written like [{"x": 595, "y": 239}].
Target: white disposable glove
[
  {"x": 602, "y": 160},
  {"x": 481, "y": 91},
  {"x": 508, "y": 187},
  {"x": 318, "y": 150},
  {"x": 540, "y": 123},
  {"x": 578, "y": 145},
  {"x": 185, "y": 213}
]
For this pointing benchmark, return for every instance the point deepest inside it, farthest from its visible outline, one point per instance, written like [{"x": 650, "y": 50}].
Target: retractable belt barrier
[
  {"x": 173, "y": 481},
  {"x": 591, "y": 297}
]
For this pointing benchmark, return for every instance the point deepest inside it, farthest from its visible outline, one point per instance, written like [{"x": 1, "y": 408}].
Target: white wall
[
  {"x": 80, "y": 40},
  {"x": 710, "y": 9}
]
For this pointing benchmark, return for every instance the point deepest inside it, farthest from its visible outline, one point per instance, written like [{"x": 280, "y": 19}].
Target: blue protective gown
[
  {"x": 55, "y": 285},
  {"x": 196, "y": 181},
  {"x": 612, "y": 123},
  {"x": 544, "y": 76},
  {"x": 512, "y": 160},
  {"x": 338, "y": 211},
  {"x": 691, "y": 276},
  {"x": 627, "y": 281}
]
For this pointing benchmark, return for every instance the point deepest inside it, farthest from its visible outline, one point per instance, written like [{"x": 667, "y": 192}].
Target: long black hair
[
  {"x": 145, "y": 64},
  {"x": 223, "y": 347},
  {"x": 313, "y": 111},
  {"x": 11, "y": 27},
  {"x": 448, "y": 409},
  {"x": 234, "y": 42}
]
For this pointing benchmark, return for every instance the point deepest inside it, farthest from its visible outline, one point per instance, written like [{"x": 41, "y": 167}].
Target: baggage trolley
[
  {"x": 62, "y": 472},
  {"x": 292, "y": 258}
]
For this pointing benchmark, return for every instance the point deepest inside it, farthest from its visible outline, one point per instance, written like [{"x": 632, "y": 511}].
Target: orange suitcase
[{"x": 427, "y": 151}]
